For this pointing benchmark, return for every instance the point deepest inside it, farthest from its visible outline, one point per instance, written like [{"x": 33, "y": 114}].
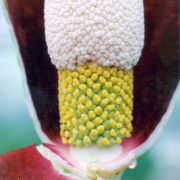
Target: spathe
[
  {"x": 27, "y": 163},
  {"x": 156, "y": 75}
]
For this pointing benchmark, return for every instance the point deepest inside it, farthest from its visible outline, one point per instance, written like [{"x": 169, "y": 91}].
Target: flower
[{"x": 156, "y": 79}]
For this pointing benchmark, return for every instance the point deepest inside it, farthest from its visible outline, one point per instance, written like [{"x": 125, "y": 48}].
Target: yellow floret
[
  {"x": 91, "y": 114},
  {"x": 108, "y": 84},
  {"x": 96, "y": 87},
  {"x": 81, "y": 107},
  {"x": 98, "y": 110},
  {"x": 64, "y": 140},
  {"x": 95, "y": 105},
  {"x": 82, "y": 78},
  {"x": 82, "y": 128},
  {"x": 104, "y": 115},
  {"x": 93, "y": 134},
  {"x": 74, "y": 122},
  {"x": 90, "y": 125},
  {"x": 105, "y": 102},
  {"x": 111, "y": 123},
  {"x": 82, "y": 99},
  {"x": 113, "y": 132},
  {"x": 105, "y": 142},
  {"x": 89, "y": 82},
  {"x": 98, "y": 121},
  {"x": 86, "y": 140},
  {"x": 84, "y": 117},
  {"x": 104, "y": 93},
  {"x": 100, "y": 129},
  {"x": 94, "y": 76},
  {"x": 82, "y": 87},
  {"x": 89, "y": 92},
  {"x": 102, "y": 80},
  {"x": 96, "y": 99},
  {"x": 75, "y": 131},
  {"x": 67, "y": 134}
]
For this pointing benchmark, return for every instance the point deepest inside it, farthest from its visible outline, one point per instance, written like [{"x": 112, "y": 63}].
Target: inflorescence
[{"x": 95, "y": 105}]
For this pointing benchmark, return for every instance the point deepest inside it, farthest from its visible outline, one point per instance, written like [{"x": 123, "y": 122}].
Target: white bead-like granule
[{"x": 107, "y": 32}]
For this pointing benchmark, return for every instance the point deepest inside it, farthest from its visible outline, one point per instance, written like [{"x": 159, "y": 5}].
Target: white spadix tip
[{"x": 107, "y": 32}]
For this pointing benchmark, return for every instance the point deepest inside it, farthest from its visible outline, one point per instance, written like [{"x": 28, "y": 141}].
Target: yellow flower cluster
[{"x": 95, "y": 105}]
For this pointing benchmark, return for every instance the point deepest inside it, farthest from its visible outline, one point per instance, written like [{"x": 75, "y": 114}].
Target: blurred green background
[{"x": 161, "y": 162}]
